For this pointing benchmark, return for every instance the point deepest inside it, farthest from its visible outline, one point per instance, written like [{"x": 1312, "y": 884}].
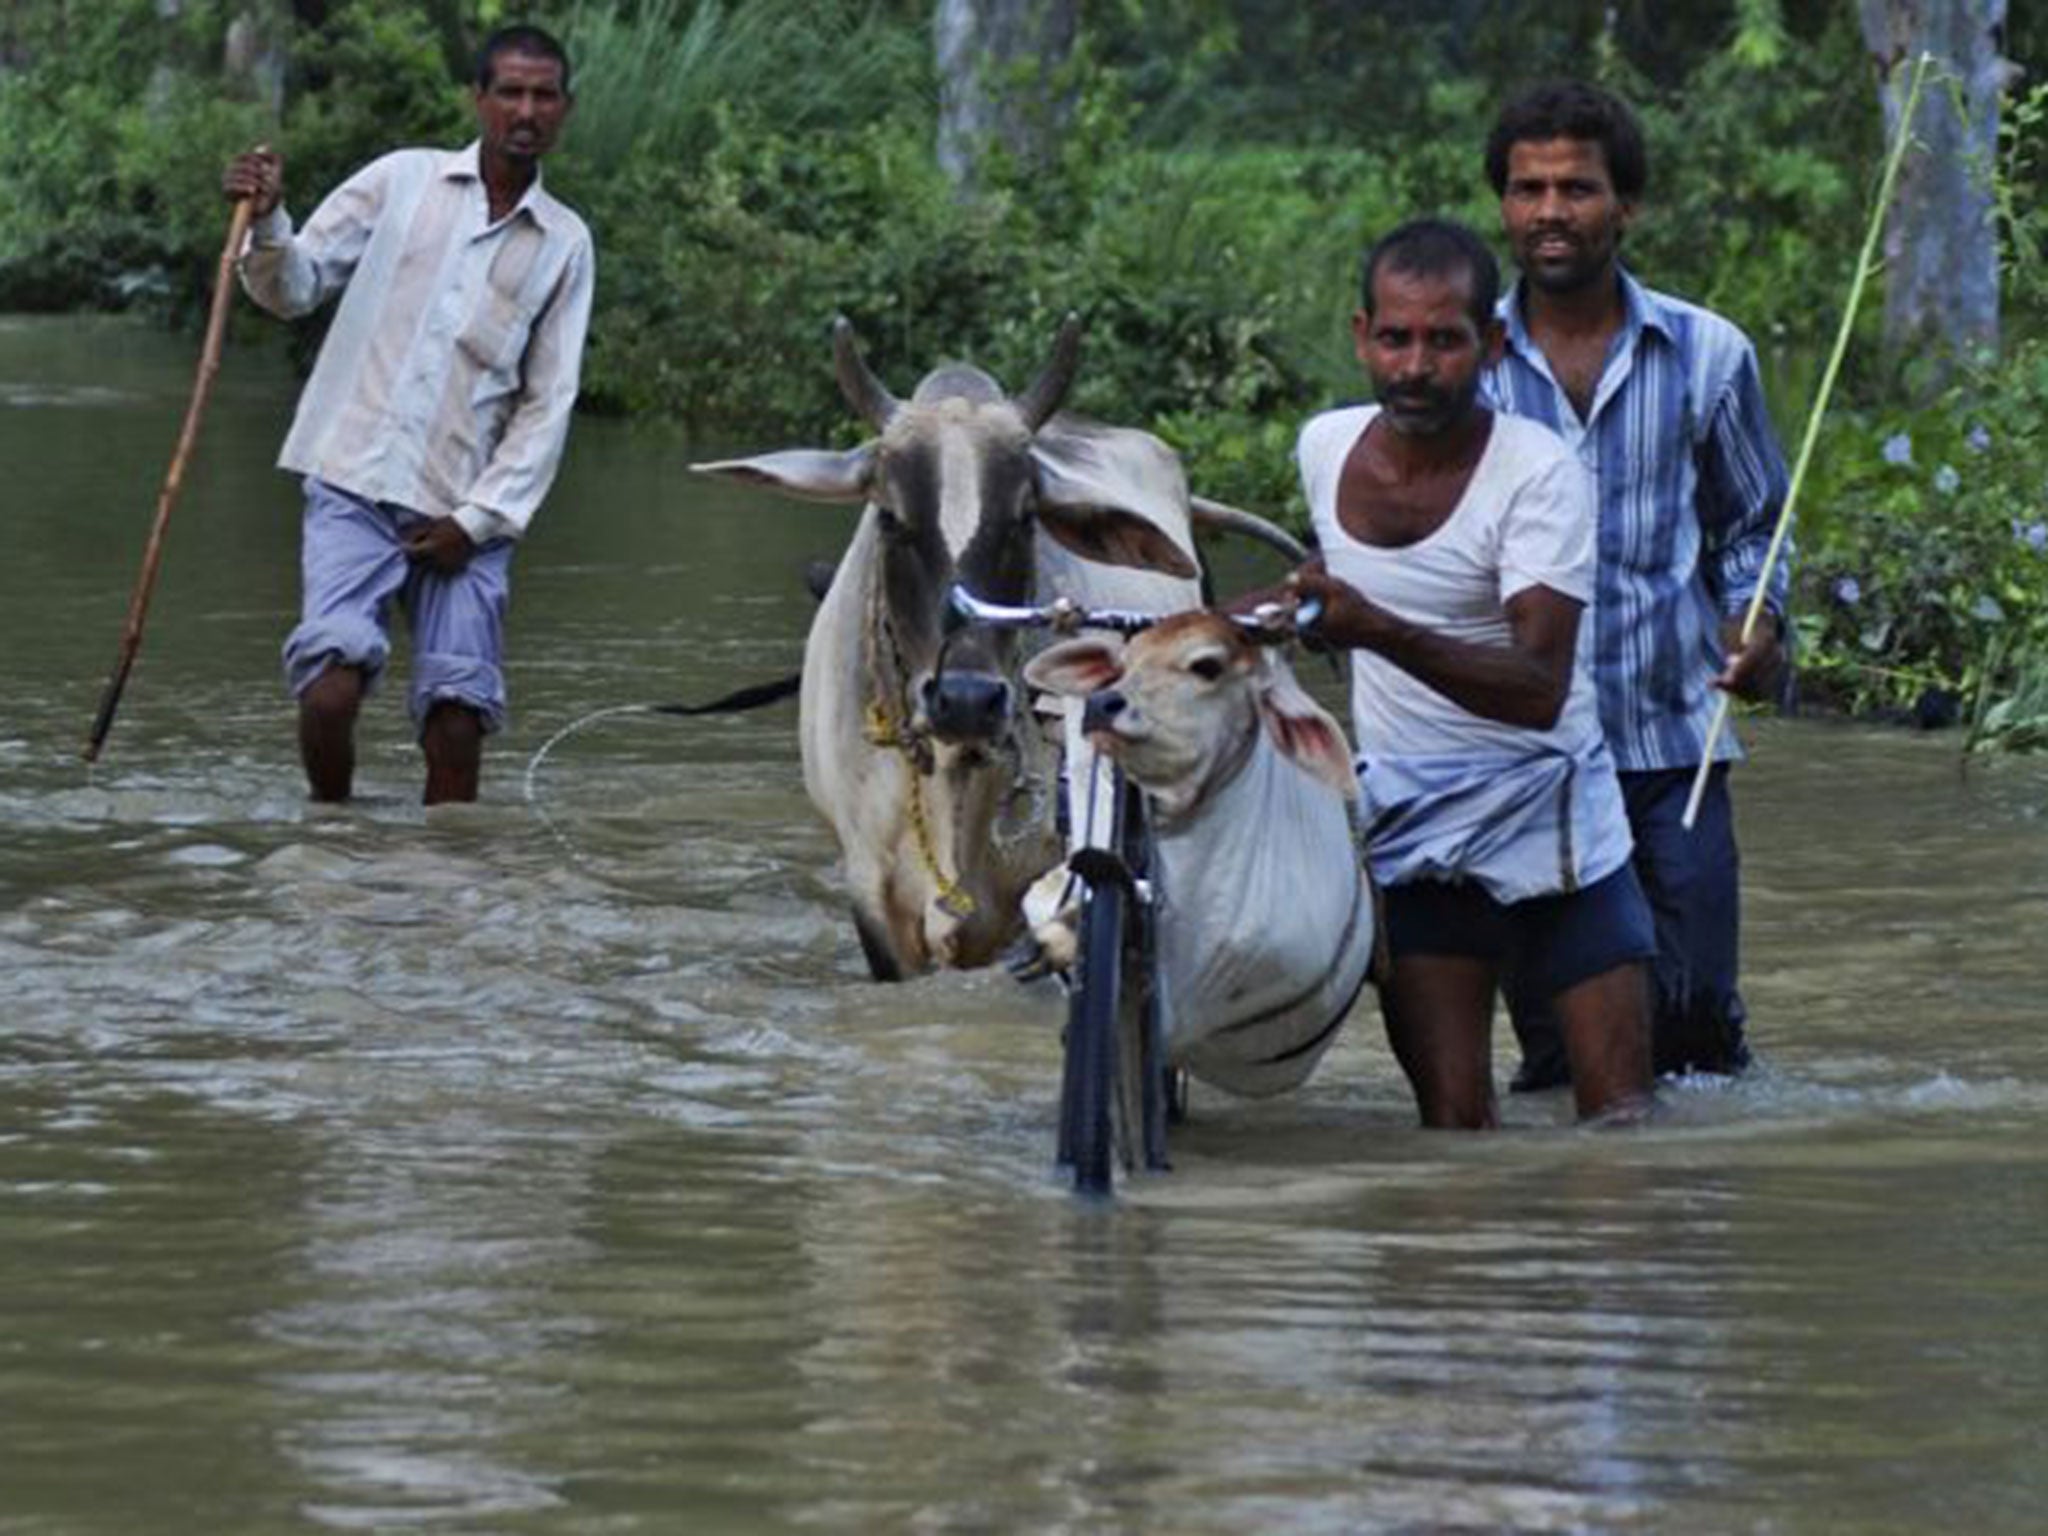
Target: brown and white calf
[{"x": 1265, "y": 913}]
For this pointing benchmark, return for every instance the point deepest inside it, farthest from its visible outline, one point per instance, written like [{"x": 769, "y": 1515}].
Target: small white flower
[{"x": 1946, "y": 480}]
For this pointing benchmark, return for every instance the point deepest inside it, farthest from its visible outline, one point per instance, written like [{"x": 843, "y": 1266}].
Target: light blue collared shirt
[{"x": 1691, "y": 480}]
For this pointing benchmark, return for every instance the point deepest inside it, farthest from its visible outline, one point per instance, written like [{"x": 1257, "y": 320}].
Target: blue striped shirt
[{"x": 1691, "y": 480}]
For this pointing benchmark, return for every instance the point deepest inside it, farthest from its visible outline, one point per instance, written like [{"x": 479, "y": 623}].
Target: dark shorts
[{"x": 1549, "y": 942}]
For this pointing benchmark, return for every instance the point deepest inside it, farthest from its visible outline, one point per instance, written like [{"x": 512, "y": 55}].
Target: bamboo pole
[
  {"x": 174, "y": 479},
  {"x": 1866, "y": 263}
]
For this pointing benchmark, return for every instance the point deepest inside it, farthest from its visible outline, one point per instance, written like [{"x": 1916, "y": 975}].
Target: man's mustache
[{"x": 1419, "y": 395}]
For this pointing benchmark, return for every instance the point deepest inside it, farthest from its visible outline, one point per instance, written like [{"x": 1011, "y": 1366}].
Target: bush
[
  {"x": 107, "y": 193},
  {"x": 1215, "y": 287},
  {"x": 1762, "y": 171},
  {"x": 113, "y": 140},
  {"x": 1925, "y": 566}
]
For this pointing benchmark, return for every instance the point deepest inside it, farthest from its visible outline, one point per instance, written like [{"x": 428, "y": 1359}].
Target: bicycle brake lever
[{"x": 1275, "y": 623}]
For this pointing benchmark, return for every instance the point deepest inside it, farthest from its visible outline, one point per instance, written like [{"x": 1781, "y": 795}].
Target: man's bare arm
[{"x": 1523, "y": 683}]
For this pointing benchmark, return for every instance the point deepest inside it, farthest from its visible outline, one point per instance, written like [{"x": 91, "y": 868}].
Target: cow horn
[
  {"x": 1215, "y": 516},
  {"x": 868, "y": 395},
  {"x": 1050, "y": 389}
]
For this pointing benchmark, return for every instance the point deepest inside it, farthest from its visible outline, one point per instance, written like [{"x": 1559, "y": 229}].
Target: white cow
[
  {"x": 1265, "y": 917},
  {"x": 916, "y": 746}
]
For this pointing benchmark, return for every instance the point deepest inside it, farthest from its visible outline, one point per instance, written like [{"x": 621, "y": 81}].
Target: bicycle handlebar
[{"x": 1269, "y": 623}]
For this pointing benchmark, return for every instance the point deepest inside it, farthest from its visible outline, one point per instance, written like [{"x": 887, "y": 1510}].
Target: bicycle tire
[
  {"x": 1115, "y": 1103},
  {"x": 1146, "y": 1101},
  {"x": 1088, "y": 1115}
]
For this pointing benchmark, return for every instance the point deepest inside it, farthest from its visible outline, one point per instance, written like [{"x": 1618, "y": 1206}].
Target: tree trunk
[
  {"x": 256, "y": 55},
  {"x": 1000, "y": 89},
  {"x": 1940, "y": 243}
]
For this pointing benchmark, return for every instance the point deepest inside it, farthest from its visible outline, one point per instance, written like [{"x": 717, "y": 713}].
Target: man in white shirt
[
  {"x": 435, "y": 417},
  {"x": 1456, "y": 565}
]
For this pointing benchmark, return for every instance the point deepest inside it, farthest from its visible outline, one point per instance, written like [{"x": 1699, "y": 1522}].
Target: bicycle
[{"x": 1118, "y": 1091}]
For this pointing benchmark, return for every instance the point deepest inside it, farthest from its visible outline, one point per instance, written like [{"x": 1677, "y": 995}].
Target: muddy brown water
[{"x": 494, "y": 1171}]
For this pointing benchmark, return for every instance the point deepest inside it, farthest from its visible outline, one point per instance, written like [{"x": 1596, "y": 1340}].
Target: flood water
[{"x": 549, "y": 1165}]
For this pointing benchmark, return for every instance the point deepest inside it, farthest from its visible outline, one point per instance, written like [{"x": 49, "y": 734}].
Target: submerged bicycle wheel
[
  {"x": 1113, "y": 1104},
  {"x": 1088, "y": 1106}
]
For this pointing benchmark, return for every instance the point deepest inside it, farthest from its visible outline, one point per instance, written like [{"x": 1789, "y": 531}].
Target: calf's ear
[
  {"x": 1076, "y": 668},
  {"x": 816, "y": 474},
  {"x": 1303, "y": 730}
]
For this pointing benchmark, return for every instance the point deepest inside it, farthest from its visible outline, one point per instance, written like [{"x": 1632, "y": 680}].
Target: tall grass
[
  {"x": 2010, "y": 713},
  {"x": 656, "y": 79}
]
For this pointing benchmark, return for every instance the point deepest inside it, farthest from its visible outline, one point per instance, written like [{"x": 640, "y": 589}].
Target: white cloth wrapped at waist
[{"x": 1534, "y": 825}]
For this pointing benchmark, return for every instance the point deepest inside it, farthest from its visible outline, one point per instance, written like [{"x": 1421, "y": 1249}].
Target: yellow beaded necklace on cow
[{"x": 883, "y": 731}]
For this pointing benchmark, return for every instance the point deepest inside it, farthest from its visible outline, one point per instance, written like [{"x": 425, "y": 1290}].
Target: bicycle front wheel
[{"x": 1088, "y": 1097}]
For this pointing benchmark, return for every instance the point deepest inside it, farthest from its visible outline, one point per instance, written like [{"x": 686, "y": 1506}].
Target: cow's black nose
[
  {"x": 967, "y": 706},
  {"x": 1103, "y": 706}
]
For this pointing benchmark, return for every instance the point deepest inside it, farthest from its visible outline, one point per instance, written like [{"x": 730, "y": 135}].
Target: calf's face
[
  {"x": 1181, "y": 707},
  {"x": 1184, "y": 709}
]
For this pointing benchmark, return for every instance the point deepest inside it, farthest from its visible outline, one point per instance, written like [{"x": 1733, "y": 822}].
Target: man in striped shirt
[
  {"x": 436, "y": 414},
  {"x": 1661, "y": 401}
]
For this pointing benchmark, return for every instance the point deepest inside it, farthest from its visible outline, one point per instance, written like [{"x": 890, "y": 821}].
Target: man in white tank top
[{"x": 1456, "y": 566}]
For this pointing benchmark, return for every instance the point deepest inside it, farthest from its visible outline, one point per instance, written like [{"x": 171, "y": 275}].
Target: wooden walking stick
[{"x": 153, "y": 552}]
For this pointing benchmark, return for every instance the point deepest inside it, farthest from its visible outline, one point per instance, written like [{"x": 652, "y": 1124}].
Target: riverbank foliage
[{"x": 754, "y": 167}]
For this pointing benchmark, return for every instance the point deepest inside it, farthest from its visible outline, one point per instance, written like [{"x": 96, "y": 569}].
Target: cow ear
[
  {"x": 1303, "y": 730},
  {"x": 812, "y": 473},
  {"x": 1076, "y": 668},
  {"x": 1113, "y": 495},
  {"x": 1110, "y": 537}
]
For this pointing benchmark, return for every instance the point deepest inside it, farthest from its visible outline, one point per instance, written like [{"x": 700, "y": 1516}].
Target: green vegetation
[
  {"x": 1923, "y": 574},
  {"x": 110, "y": 156},
  {"x": 754, "y": 167},
  {"x": 1924, "y": 567}
]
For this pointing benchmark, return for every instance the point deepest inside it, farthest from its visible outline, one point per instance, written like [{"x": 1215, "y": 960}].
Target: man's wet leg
[
  {"x": 1606, "y": 1026},
  {"x": 327, "y": 731},
  {"x": 454, "y": 741},
  {"x": 1439, "y": 1017}
]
